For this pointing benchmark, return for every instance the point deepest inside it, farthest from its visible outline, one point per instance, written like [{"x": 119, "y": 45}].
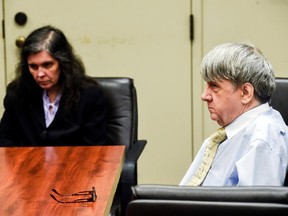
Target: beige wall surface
[
  {"x": 262, "y": 22},
  {"x": 149, "y": 41},
  {"x": 2, "y": 64},
  {"x": 146, "y": 40}
]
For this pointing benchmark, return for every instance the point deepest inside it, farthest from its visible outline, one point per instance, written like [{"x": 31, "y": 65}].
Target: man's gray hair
[{"x": 240, "y": 63}]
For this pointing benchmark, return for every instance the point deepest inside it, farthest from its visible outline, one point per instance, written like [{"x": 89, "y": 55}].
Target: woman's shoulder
[
  {"x": 91, "y": 89},
  {"x": 12, "y": 85},
  {"x": 10, "y": 99},
  {"x": 11, "y": 89},
  {"x": 92, "y": 92}
]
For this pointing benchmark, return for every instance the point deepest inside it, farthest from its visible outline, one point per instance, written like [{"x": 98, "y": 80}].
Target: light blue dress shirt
[{"x": 254, "y": 153}]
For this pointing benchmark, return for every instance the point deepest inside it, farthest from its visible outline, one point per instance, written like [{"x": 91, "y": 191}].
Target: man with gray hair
[{"x": 251, "y": 147}]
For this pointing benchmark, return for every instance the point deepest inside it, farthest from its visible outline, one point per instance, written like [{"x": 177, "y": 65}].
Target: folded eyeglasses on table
[{"x": 86, "y": 196}]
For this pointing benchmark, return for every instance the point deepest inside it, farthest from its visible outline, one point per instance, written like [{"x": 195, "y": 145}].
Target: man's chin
[{"x": 214, "y": 118}]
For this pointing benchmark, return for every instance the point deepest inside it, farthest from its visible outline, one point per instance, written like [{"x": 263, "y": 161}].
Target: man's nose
[{"x": 206, "y": 96}]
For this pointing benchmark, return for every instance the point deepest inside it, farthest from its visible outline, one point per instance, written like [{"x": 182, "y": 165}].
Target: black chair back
[
  {"x": 122, "y": 129},
  {"x": 122, "y": 110},
  {"x": 279, "y": 98},
  {"x": 279, "y": 102}
]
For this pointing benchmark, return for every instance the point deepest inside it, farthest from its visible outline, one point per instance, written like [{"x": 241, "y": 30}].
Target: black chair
[
  {"x": 171, "y": 200},
  {"x": 122, "y": 129},
  {"x": 157, "y": 200},
  {"x": 279, "y": 102},
  {"x": 279, "y": 98}
]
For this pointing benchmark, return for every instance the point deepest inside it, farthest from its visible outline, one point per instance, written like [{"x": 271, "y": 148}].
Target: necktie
[{"x": 210, "y": 151}]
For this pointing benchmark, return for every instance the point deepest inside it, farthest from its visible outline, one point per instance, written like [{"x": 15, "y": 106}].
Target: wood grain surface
[{"x": 28, "y": 175}]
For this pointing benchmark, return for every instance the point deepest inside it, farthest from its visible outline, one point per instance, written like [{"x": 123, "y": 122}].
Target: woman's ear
[{"x": 247, "y": 91}]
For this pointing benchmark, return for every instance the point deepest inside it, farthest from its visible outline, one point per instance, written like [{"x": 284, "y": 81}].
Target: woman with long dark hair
[{"x": 51, "y": 101}]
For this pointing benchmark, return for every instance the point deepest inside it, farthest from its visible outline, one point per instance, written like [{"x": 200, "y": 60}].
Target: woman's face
[{"x": 44, "y": 69}]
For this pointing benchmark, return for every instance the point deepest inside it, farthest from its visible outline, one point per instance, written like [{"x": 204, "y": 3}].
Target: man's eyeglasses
[{"x": 87, "y": 196}]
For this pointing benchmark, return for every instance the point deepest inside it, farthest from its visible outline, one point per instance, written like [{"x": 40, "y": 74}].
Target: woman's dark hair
[{"x": 72, "y": 71}]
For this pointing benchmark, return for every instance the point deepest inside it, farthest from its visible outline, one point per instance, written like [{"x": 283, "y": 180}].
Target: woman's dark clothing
[{"x": 24, "y": 124}]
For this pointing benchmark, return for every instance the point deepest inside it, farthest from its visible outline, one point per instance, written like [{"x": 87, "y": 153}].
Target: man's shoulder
[
  {"x": 268, "y": 126},
  {"x": 269, "y": 118}
]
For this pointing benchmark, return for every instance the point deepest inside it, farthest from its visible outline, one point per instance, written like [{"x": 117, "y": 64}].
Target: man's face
[
  {"x": 223, "y": 101},
  {"x": 44, "y": 69}
]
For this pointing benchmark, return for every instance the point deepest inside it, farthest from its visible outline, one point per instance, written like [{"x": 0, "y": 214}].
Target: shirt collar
[
  {"x": 243, "y": 120},
  {"x": 46, "y": 98}
]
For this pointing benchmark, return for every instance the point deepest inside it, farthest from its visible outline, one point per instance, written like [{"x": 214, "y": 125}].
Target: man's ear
[{"x": 247, "y": 91}]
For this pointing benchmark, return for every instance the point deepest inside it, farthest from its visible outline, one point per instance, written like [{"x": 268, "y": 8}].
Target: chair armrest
[
  {"x": 131, "y": 160},
  {"x": 202, "y": 208},
  {"x": 128, "y": 176},
  {"x": 259, "y": 194}
]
